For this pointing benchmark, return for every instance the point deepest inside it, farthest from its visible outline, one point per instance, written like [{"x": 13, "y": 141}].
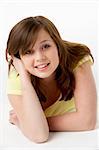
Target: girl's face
[{"x": 43, "y": 59}]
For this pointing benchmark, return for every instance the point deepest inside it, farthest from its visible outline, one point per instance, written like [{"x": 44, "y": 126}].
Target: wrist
[{"x": 25, "y": 77}]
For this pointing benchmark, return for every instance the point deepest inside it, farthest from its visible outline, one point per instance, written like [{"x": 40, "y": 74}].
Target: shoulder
[{"x": 86, "y": 61}]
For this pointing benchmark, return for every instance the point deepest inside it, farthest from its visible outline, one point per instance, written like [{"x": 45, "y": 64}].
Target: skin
[{"x": 28, "y": 104}]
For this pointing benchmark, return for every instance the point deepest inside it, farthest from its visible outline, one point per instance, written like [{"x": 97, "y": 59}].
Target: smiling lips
[{"x": 42, "y": 66}]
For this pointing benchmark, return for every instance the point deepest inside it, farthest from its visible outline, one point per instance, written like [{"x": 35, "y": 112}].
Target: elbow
[
  {"x": 88, "y": 125},
  {"x": 41, "y": 139},
  {"x": 87, "y": 122},
  {"x": 38, "y": 137}
]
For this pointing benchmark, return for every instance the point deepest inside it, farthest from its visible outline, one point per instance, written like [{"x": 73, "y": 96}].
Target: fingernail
[{"x": 12, "y": 123}]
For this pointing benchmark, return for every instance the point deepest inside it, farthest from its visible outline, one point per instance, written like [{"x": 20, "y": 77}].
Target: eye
[
  {"x": 46, "y": 46},
  {"x": 28, "y": 52}
]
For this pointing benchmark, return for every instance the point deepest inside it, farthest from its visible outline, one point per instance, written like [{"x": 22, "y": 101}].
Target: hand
[
  {"x": 13, "y": 119},
  {"x": 19, "y": 66}
]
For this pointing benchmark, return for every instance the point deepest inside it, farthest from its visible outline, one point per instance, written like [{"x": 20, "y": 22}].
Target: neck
[
  {"x": 48, "y": 85},
  {"x": 49, "y": 80}
]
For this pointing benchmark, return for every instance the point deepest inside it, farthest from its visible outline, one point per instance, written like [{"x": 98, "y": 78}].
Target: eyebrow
[{"x": 45, "y": 41}]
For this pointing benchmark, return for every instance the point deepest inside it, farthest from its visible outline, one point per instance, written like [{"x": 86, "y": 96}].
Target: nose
[{"x": 40, "y": 56}]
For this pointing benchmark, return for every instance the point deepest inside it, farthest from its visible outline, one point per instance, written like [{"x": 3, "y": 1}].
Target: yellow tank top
[{"x": 59, "y": 107}]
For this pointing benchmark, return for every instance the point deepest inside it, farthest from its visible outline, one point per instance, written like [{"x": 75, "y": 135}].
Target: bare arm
[
  {"x": 85, "y": 99},
  {"x": 28, "y": 109}
]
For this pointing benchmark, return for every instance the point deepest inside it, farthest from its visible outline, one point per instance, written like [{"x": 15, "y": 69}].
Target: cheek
[{"x": 55, "y": 57}]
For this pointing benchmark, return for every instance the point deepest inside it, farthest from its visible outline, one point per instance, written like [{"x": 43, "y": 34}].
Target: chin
[{"x": 44, "y": 76}]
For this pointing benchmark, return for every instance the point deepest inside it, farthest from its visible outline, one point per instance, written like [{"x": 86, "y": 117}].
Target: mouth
[{"x": 42, "y": 66}]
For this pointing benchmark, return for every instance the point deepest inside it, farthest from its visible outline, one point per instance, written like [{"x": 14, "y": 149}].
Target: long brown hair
[{"x": 23, "y": 36}]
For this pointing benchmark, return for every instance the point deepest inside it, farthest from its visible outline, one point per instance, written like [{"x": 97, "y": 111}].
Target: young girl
[{"x": 50, "y": 83}]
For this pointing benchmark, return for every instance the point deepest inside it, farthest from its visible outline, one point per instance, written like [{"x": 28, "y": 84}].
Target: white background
[{"x": 76, "y": 20}]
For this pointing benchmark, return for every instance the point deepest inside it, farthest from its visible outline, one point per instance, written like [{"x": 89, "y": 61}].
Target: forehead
[{"x": 43, "y": 36}]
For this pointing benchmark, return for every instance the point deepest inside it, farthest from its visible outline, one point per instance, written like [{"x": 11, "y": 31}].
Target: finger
[
  {"x": 11, "y": 112},
  {"x": 12, "y": 56},
  {"x": 11, "y": 121}
]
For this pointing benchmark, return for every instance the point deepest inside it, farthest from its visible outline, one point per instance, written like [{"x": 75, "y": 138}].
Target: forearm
[
  {"x": 32, "y": 119},
  {"x": 72, "y": 121}
]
